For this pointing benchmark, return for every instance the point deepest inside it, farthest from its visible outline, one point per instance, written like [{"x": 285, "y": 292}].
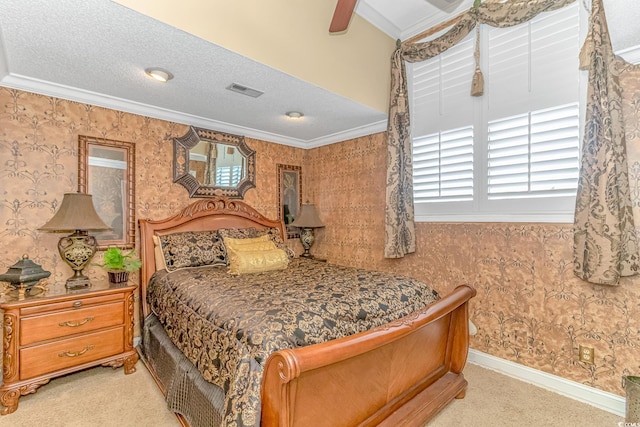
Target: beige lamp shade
[
  {"x": 76, "y": 212},
  {"x": 308, "y": 217}
]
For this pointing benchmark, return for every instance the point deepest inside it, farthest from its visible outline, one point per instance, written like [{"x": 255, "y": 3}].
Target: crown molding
[
  {"x": 383, "y": 24},
  {"x": 370, "y": 129},
  {"x": 15, "y": 81},
  {"x": 424, "y": 24}
]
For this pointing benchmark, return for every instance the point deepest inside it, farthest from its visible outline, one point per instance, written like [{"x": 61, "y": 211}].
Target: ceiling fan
[{"x": 344, "y": 11}]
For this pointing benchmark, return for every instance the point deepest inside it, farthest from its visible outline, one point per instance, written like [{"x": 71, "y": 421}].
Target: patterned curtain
[
  {"x": 605, "y": 242},
  {"x": 399, "y": 214}
]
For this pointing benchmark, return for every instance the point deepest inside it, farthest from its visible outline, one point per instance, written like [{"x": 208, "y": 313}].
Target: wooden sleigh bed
[{"x": 401, "y": 373}]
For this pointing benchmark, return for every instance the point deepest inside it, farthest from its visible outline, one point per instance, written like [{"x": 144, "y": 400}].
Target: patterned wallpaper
[
  {"x": 530, "y": 309},
  {"x": 39, "y": 163}
]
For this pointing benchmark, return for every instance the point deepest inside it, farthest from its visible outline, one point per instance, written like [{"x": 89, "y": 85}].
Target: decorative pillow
[
  {"x": 243, "y": 262},
  {"x": 262, "y": 243},
  {"x": 251, "y": 232},
  {"x": 192, "y": 249},
  {"x": 158, "y": 256}
]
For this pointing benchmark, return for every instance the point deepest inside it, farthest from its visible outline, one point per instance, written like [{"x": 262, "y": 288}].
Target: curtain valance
[{"x": 399, "y": 213}]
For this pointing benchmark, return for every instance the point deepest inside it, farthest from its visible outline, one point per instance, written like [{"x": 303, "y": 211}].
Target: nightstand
[{"x": 52, "y": 334}]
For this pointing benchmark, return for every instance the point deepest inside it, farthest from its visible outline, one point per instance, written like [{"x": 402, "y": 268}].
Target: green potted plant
[{"x": 119, "y": 264}]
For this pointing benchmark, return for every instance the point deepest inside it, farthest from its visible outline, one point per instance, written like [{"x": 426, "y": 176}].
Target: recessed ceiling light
[
  {"x": 159, "y": 74},
  {"x": 294, "y": 115}
]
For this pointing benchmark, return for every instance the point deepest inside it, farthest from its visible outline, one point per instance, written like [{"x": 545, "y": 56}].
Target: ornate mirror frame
[
  {"x": 111, "y": 182},
  {"x": 289, "y": 196},
  {"x": 181, "y": 175}
]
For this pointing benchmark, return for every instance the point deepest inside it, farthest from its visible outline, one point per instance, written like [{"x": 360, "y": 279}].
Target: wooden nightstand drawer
[
  {"x": 45, "y": 358},
  {"x": 60, "y": 331},
  {"x": 67, "y": 304},
  {"x": 64, "y": 323}
]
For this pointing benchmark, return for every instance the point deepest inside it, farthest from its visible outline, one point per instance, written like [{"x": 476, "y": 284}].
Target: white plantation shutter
[
  {"x": 443, "y": 166},
  {"x": 511, "y": 154},
  {"x": 534, "y": 154},
  {"x": 534, "y": 65},
  {"x": 441, "y": 88},
  {"x": 228, "y": 176}
]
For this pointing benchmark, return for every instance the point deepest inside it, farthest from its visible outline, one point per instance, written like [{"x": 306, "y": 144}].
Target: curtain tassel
[{"x": 477, "y": 84}]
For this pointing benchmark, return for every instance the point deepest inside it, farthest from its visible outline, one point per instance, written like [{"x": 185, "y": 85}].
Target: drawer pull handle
[
  {"x": 76, "y": 353},
  {"x": 76, "y": 324},
  {"x": 77, "y": 304}
]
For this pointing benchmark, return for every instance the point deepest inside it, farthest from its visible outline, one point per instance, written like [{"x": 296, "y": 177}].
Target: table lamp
[
  {"x": 307, "y": 220},
  {"x": 77, "y": 214}
]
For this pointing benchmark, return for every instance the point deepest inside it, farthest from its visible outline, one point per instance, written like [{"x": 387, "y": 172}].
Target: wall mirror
[
  {"x": 289, "y": 196},
  {"x": 210, "y": 164},
  {"x": 106, "y": 170}
]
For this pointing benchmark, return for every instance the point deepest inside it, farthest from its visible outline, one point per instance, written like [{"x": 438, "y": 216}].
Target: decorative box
[{"x": 24, "y": 274}]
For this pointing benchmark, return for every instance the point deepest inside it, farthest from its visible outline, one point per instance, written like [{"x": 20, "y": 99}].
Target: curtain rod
[{"x": 435, "y": 29}]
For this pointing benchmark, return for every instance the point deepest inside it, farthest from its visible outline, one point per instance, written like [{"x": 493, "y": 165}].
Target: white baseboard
[{"x": 600, "y": 399}]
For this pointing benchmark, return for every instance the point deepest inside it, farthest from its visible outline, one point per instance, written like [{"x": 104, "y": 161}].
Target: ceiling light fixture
[
  {"x": 159, "y": 74},
  {"x": 294, "y": 115}
]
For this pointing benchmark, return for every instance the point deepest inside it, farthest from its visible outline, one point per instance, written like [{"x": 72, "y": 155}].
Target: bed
[{"x": 395, "y": 373}]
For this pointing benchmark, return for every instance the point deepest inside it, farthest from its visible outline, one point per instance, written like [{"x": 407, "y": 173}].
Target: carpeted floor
[
  {"x": 107, "y": 398},
  {"x": 496, "y": 400}
]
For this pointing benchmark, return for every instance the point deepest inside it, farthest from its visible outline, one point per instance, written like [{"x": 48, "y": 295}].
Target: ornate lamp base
[
  {"x": 75, "y": 282},
  {"x": 307, "y": 238},
  {"x": 77, "y": 250}
]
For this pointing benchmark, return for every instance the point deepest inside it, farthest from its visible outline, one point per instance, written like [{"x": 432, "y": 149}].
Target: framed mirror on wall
[
  {"x": 106, "y": 170},
  {"x": 289, "y": 196},
  {"x": 210, "y": 164}
]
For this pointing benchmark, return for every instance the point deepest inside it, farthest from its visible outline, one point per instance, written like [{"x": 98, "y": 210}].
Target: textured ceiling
[{"x": 95, "y": 51}]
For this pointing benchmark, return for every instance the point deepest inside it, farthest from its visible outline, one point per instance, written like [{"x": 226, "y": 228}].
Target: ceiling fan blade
[{"x": 342, "y": 15}]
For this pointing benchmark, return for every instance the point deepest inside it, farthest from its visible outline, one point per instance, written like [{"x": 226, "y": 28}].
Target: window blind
[
  {"x": 534, "y": 154},
  {"x": 443, "y": 166},
  {"x": 514, "y": 151},
  {"x": 440, "y": 91},
  {"x": 228, "y": 176}
]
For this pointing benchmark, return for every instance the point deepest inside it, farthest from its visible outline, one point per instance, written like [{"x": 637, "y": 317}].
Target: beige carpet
[
  {"x": 496, "y": 400},
  {"x": 107, "y": 398}
]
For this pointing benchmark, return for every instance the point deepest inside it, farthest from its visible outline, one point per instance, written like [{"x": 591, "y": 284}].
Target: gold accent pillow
[
  {"x": 251, "y": 232},
  {"x": 158, "y": 256},
  {"x": 262, "y": 243},
  {"x": 256, "y": 261}
]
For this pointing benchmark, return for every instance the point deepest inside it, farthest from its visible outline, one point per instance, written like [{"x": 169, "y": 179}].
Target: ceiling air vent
[{"x": 235, "y": 87}]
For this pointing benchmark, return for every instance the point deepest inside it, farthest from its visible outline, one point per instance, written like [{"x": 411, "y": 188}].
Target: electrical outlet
[{"x": 586, "y": 354}]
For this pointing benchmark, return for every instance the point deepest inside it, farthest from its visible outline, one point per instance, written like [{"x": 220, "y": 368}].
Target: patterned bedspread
[{"x": 228, "y": 325}]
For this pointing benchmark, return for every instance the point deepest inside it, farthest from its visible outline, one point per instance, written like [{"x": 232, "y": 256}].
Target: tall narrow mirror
[
  {"x": 210, "y": 164},
  {"x": 106, "y": 170}
]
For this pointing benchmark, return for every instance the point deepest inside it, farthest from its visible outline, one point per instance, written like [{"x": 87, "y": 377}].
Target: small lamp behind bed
[{"x": 307, "y": 220}]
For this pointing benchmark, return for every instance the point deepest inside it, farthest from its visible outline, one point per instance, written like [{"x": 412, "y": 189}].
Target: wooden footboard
[{"x": 400, "y": 374}]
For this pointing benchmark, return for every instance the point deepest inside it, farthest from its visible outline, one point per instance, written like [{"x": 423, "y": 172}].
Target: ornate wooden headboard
[{"x": 210, "y": 214}]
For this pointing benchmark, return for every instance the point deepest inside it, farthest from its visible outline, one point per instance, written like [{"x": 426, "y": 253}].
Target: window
[
  {"x": 443, "y": 166},
  {"x": 512, "y": 154},
  {"x": 228, "y": 176},
  {"x": 534, "y": 154}
]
